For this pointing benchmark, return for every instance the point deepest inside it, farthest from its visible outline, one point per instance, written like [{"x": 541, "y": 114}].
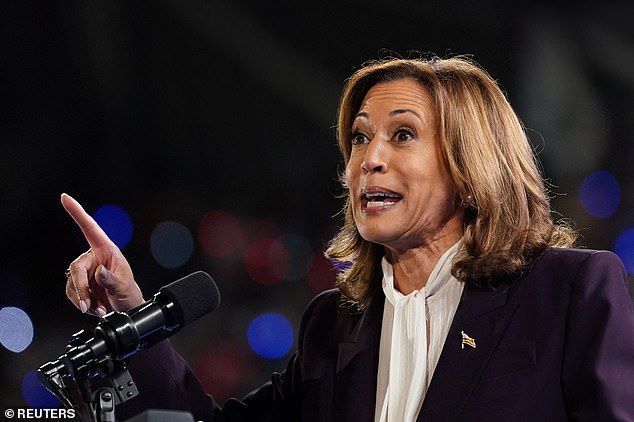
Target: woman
[{"x": 462, "y": 301}]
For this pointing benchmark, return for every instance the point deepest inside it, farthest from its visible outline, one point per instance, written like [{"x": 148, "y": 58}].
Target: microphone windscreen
[{"x": 194, "y": 295}]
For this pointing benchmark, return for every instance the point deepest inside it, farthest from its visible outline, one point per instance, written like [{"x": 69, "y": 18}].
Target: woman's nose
[{"x": 375, "y": 160}]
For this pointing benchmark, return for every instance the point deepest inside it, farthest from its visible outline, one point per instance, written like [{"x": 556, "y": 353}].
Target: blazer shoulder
[
  {"x": 576, "y": 253},
  {"x": 325, "y": 302},
  {"x": 578, "y": 268},
  {"x": 327, "y": 319},
  {"x": 327, "y": 296},
  {"x": 568, "y": 258},
  {"x": 320, "y": 312}
]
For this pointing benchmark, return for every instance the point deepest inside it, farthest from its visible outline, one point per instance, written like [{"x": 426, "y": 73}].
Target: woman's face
[{"x": 401, "y": 194}]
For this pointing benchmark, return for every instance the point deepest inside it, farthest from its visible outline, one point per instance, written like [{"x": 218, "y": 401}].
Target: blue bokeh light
[
  {"x": 270, "y": 335},
  {"x": 171, "y": 244},
  {"x": 34, "y": 393},
  {"x": 624, "y": 248},
  {"x": 16, "y": 329},
  {"x": 600, "y": 194},
  {"x": 116, "y": 223}
]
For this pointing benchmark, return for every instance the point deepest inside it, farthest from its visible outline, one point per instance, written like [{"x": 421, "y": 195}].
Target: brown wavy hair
[{"x": 508, "y": 220}]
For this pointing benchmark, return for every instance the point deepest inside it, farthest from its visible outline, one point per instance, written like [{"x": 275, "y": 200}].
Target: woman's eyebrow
[
  {"x": 364, "y": 115},
  {"x": 406, "y": 110}
]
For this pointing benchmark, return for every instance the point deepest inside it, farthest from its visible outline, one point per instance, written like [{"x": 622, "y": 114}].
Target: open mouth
[{"x": 377, "y": 198}]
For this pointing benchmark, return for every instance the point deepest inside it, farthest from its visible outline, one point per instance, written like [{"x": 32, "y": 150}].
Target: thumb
[
  {"x": 106, "y": 279},
  {"x": 123, "y": 294}
]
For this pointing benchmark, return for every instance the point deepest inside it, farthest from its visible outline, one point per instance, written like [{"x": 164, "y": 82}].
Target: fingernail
[
  {"x": 82, "y": 306},
  {"x": 103, "y": 273},
  {"x": 101, "y": 312}
]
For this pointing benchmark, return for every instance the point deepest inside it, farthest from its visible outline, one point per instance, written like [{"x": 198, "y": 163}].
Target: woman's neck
[{"x": 412, "y": 267}]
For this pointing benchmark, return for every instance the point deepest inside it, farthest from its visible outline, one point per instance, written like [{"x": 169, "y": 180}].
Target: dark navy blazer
[{"x": 557, "y": 344}]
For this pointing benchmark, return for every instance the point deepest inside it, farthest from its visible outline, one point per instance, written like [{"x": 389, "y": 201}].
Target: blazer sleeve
[
  {"x": 166, "y": 381},
  {"x": 598, "y": 366}
]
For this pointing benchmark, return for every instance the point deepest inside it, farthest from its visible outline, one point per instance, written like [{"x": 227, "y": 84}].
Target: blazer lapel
[
  {"x": 357, "y": 365},
  {"x": 481, "y": 318}
]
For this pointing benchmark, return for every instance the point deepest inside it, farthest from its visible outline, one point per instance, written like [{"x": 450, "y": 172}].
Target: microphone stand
[
  {"x": 92, "y": 376},
  {"x": 119, "y": 387},
  {"x": 92, "y": 389}
]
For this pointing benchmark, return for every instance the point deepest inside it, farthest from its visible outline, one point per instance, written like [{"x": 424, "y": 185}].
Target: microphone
[{"x": 121, "y": 334}]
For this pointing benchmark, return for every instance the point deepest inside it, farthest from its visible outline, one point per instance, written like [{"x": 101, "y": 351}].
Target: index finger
[{"x": 95, "y": 236}]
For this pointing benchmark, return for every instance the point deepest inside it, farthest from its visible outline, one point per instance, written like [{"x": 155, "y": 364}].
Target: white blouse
[{"x": 412, "y": 336}]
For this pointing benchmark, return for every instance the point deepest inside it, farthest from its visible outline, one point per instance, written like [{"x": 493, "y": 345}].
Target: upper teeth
[{"x": 372, "y": 195}]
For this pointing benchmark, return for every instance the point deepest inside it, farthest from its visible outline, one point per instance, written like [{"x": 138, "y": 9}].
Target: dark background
[{"x": 171, "y": 108}]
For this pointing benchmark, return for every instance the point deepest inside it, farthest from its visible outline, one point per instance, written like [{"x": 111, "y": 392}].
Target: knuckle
[
  {"x": 70, "y": 294},
  {"x": 75, "y": 265}
]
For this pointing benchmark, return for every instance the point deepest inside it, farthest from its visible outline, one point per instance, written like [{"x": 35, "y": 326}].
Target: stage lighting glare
[
  {"x": 624, "y": 248},
  {"x": 116, "y": 223},
  {"x": 300, "y": 253},
  {"x": 270, "y": 335},
  {"x": 220, "y": 234},
  {"x": 35, "y": 395},
  {"x": 600, "y": 194},
  {"x": 267, "y": 261},
  {"x": 322, "y": 275},
  {"x": 16, "y": 329},
  {"x": 171, "y": 244}
]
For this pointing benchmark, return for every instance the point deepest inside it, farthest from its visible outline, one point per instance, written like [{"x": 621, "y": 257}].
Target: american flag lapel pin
[{"x": 467, "y": 340}]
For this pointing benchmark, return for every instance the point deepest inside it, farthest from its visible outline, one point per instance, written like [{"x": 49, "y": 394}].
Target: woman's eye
[
  {"x": 403, "y": 135},
  {"x": 359, "y": 138}
]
